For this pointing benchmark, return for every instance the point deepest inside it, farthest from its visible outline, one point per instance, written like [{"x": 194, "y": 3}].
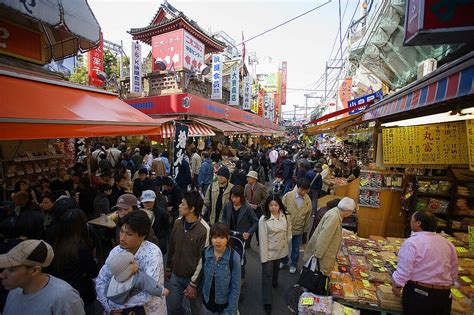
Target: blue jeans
[
  {"x": 295, "y": 251},
  {"x": 174, "y": 301},
  {"x": 287, "y": 184}
]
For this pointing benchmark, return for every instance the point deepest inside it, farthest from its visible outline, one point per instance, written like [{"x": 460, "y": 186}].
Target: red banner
[
  {"x": 276, "y": 108},
  {"x": 283, "y": 82},
  {"x": 261, "y": 99},
  {"x": 96, "y": 64},
  {"x": 345, "y": 92}
]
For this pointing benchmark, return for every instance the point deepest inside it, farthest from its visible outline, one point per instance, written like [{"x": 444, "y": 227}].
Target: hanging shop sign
[
  {"x": 234, "y": 85},
  {"x": 438, "y": 144},
  {"x": 247, "y": 89},
  {"x": 96, "y": 64},
  {"x": 261, "y": 100},
  {"x": 169, "y": 47},
  {"x": 345, "y": 93},
  {"x": 284, "y": 72},
  {"x": 193, "y": 52},
  {"x": 277, "y": 107},
  {"x": 254, "y": 108},
  {"x": 216, "y": 77},
  {"x": 362, "y": 100},
  {"x": 22, "y": 43},
  {"x": 180, "y": 140},
  {"x": 136, "y": 74},
  {"x": 470, "y": 142},
  {"x": 431, "y": 22}
]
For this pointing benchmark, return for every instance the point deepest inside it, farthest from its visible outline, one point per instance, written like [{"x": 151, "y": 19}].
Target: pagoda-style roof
[{"x": 168, "y": 19}]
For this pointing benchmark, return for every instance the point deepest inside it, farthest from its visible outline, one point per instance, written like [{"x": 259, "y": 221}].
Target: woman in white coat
[{"x": 274, "y": 237}]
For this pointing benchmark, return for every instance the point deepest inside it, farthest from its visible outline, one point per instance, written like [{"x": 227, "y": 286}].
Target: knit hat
[
  {"x": 120, "y": 265},
  {"x": 253, "y": 174},
  {"x": 223, "y": 171},
  {"x": 28, "y": 253},
  {"x": 148, "y": 195},
  {"x": 346, "y": 204}
]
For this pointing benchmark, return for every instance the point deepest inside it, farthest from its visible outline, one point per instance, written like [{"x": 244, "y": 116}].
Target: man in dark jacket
[
  {"x": 314, "y": 177},
  {"x": 287, "y": 168},
  {"x": 206, "y": 173},
  {"x": 137, "y": 159},
  {"x": 174, "y": 195},
  {"x": 142, "y": 183},
  {"x": 183, "y": 177}
]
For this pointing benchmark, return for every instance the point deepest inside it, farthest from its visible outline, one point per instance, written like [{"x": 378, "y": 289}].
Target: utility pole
[{"x": 306, "y": 102}]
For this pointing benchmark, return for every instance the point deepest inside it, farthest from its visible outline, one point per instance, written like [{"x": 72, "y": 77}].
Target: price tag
[
  {"x": 461, "y": 249},
  {"x": 366, "y": 283},
  {"x": 347, "y": 310},
  {"x": 383, "y": 269},
  {"x": 457, "y": 293},
  {"x": 307, "y": 301},
  {"x": 466, "y": 279},
  {"x": 363, "y": 274}
]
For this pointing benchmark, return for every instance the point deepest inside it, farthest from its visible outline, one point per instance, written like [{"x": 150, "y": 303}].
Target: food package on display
[
  {"x": 466, "y": 262},
  {"x": 437, "y": 205},
  {"x": 387, "y": 299},
  {"x": 340, "y": 277},
  {"x": 360, "y": 272},
  {"x": 467, "y": 290},
  {"x": 351, "y": 240},
  {"x": 371, "y": 254},
  {"x": 380, "y": 276},
  {"x": 395, "y": 241},
  {"x": 366, "y": 292},
  {"x": 357, "y": 260},
  {"x": 342, "y": 259},
  {"x": 379, "y": 239},
  {"x": 466, "y": 280},
  {"x": 336, "y": 291},
  {"x": 349, "y": 292},
  {"x": 311, "y": 304},
  {"x": 421, "y": 204},
  {"x": 464, "y": 207},
  {"x": 355, "y": 250},
  {"x": 369, "y": 244},
  {"x": 339, "y": 309},
  {"x": 464, "y": 252},
  {"x": 461, "y": 304},
  {"x": 388, "y": 256}
]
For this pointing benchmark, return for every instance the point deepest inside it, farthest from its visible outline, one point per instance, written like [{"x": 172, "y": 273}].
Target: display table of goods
[{"x": 363, "y": 273}]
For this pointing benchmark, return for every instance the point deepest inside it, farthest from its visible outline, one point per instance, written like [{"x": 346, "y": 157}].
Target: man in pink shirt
[{"x": 427, "y": 268}]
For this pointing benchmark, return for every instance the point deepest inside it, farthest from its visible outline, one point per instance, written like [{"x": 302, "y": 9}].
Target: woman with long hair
[
  {"x": 74, "y": 253},
  {"x": 274, "y": 235}
]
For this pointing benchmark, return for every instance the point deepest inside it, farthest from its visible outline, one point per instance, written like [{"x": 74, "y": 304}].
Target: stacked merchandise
[
  {"x": 363, "y": 272},
  {"x": 372, "y": 183},
  {"x": 312, "y": 304}
]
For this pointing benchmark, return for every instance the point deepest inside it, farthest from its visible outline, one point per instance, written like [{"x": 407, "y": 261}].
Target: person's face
[
  {"x": 76, "y": 180},
  {"x": 148, "y": 205},
  {"x": 221, "y": 180},
  {"x": 167, "y": 188},
  {"x": 219, "y": 242},
  {"x": 17, "y": 277},
  {"x": 184, "y": 208},
  {"x": 108, "y": 192},
  {"x": 44, "y": 185},
  {"x": 235, "y": 200},
  {"x": 124, "y": 211},
  {"x": 130, "y": 240},
  {"x": 142, "y": 176},
  {"x": 414, "y": 224},
  {"x": 251, "y": 180},
  {"x": 302, "y": 191},
  {"x": 23, "y": 187},
  {"x": 47, "y": 204},
  {"x": 123, "y": 183},
  {"x": 346, "y": 214},
  {"x": 274, "y": 207}
]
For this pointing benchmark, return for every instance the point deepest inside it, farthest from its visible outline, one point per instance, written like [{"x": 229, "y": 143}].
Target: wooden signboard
[{"x": 470, "y": 142}]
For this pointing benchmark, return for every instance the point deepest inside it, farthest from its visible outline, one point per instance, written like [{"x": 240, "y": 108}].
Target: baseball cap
[
  {"x": 148, "y": 195},
  {"x": 253, "y": 174},
  {"x": 126, "y": 201},
  {"x": 120, "y": 265},
  {"x": 28, "y": 253}
]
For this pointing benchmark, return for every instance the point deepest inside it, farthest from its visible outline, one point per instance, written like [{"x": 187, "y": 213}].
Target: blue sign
[{"x": 362, "y": 100}]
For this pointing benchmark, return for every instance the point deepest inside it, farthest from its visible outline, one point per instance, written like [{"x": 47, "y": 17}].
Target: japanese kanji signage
[
  {"x": 247, "y": 93},
  {"x": 234, "y": 85},
  {"x": 180, "y": 140},
  {"x": 437, "y": 144},
  {"x": 193, "y": 52},
  {"x": 254, "y": 107},
  {"x": 276, "y": 107},
  {"x": 216, "y": 77},
  {"x": 261, "y": 96},
  {"x": 136, "y": 71},
  {"x": 470, "y": 142},
  {"x": 266, "y": 105},
  {"x": 22, "y": 43},
  {"x": 345, "y": 93},
  {"x": 169, "y": 47},
  {"x": 96, "y": 64},
  {"x": 362, "y": 100},
  {"x": 283, "y": 82}
]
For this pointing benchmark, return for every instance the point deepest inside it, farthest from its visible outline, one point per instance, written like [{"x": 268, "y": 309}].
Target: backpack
[{"x": 231, "y": 260}]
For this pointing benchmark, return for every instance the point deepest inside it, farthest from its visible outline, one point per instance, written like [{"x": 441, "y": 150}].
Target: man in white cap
[
  {"x": 256, "y": 194},
  {"x": 32, "y": 291},
  {"x": 327, "y": 238}
]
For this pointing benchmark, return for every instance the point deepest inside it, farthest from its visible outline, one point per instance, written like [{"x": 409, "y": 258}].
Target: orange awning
[{"x": 38, "y": 108}]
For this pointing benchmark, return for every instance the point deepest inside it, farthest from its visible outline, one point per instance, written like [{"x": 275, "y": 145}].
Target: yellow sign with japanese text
[
  {"x": 444, "y": 143},
  {"x": 470, "y": 142}
]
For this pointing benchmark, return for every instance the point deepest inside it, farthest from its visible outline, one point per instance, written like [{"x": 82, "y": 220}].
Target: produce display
[
  {"x": 437, "y": 187},
  {"x": 364, "y": 267}
]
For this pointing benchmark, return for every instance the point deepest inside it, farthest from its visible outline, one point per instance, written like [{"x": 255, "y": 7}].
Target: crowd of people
[{"x": 175, "y": 238}]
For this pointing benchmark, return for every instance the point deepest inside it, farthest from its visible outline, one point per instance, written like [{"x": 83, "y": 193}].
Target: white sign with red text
[{"x": 194, "y": 52}]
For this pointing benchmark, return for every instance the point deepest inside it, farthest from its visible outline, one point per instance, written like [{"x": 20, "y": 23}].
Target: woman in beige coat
[
  {"x": 274, "y": 237},
  {"x": 327, "y": 238}
]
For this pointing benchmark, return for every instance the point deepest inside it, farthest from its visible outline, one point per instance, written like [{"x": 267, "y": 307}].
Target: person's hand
[
  {"x": 166, "y": 292},
  {"x": 190, "y": 292},
  {"x": 246, "y": 235},
  {"x": 167, "y": 275},
  {"x": 396, "y": 290}
]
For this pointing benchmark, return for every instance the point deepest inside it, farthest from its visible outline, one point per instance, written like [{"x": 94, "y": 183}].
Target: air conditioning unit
[{"x": 426, "y": 67}]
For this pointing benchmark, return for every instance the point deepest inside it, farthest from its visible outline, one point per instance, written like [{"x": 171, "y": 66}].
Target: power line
[{"x": 286, "y": 22}]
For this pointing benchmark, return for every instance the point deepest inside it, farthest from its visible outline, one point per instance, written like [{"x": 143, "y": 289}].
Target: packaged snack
[
  {"x": 349, "y": 292},
  {"x": 357, "y": 260},
  {"x": 380, "y": 276},
  {"x": 339, "y": 309},
  {"x": 360, "y": 272},
  {"x": 336, "y": 290},
  {"x": 310, "y": 304},
  {"x": 437, "y": 205}
]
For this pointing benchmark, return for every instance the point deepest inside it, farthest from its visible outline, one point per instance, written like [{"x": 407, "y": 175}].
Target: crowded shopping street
[{"x": 236, "y": 157}]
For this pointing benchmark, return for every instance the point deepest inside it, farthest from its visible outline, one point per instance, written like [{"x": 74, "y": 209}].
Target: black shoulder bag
[{"x": 314, "y": 280}]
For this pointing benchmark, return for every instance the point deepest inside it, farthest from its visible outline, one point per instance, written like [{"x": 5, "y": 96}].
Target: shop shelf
[{"x": 422, "y": 194}]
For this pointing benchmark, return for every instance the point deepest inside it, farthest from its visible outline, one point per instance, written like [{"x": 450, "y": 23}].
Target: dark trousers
[
  {"x": 270, "y": 271},
  {"x": 419, "y": 300},
  {"x": 194, "y": 184}
]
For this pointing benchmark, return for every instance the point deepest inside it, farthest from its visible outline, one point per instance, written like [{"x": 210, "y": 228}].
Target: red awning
[
  {"x": 199, "y": 130},
  {"x": 339, "y": 112},
  {"x": 38, "y": 108},
  {"x": 220, "y": 125}
]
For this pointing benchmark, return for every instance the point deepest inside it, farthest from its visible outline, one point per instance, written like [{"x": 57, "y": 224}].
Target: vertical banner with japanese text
[
  {"x": 276, "y": 107},
  {"x": 136, "y": 71},
  {"x": 266, "y": 105},
  {"x": 284, "y": 70},
  {"x": 96, "y": 64},
  {"x": 261, "y": 100},
  {"x": 234, "y": 85},
  {"x": 470, "y": 142},
  {"x": 180, "y": 140},
  {"x": 216, "y": 77},
  {"x": 254, "y": 108},
  {"x": 247, "y": 87}
]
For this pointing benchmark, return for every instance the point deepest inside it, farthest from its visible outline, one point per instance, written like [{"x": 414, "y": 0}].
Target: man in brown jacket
[
  {"x": 298, "y": 205},
  {"x": 256, "y": 194}
]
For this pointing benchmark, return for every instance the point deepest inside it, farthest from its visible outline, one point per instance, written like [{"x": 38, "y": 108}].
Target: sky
[{"x": 304, "y": 43}]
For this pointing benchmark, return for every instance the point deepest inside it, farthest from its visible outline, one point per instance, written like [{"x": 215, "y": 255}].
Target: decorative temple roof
[{"x": 168, "y": 19}]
